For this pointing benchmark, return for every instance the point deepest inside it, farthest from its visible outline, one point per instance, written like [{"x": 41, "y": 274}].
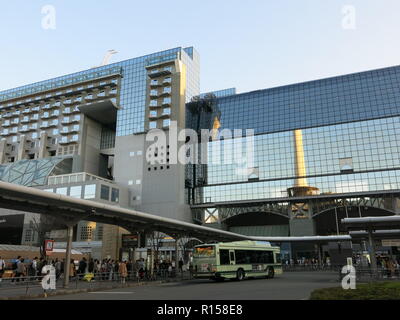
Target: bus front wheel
[
  {"x": 239, "y": 275},
  {"x": 270, "y": 272}
]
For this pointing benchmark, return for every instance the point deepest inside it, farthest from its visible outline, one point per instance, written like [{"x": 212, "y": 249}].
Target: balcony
[
  {"x": 5, "y": 133},
  {"x": 154, "y": 84},
  {"x": 53, "y": 124},
  {"x": 64, "y": 141},
  {"x": 65, "y": 131},
  {"x": 165, "y": 115},
  {"x": 27, "y": 111},
  {"x": 7, "y": 115},
  {"x": 153, "y": 93},
  {"x": 155, "y": 73},
  {"x": 167, "y": 82},
  {"x": 75, "y": 178},
  {"x": 154, "y": 106},
  {"x": 25, "y": 129},
  {"x": 153, "y": 116}
]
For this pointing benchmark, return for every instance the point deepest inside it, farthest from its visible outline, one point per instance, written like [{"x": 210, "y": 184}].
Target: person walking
[
  {"x": 123, "y": 271},
  {"x": 91, "y": 266},
  {"x": 21, "y": 269},
  {"x": 2, "y": 267},
  {"x": 57, "y": 266},
  {"x": 82, "y": 267},
  {"x": 72, "y": 269},
  {"x": 34, "y": 267},
  {"x": 180, "y": 265}
]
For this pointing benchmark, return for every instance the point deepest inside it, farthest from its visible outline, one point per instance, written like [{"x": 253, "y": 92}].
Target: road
[{"x": 289, "y": 286}]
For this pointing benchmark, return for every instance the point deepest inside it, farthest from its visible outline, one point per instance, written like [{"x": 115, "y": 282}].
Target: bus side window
[
  {"x": 224, "y": 257},
  {"x": 278, "y": 258},
  {"x": 232, "y": 256}
]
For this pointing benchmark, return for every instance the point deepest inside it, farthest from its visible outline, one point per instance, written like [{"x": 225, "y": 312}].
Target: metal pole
[
  {"x": 372, "y": 253},
  {"x": 70, "y": 233},
  {"x": 337, "y": 222},
  {"x": 359, "y": 211},
  {"x": 176, "y": 255}
]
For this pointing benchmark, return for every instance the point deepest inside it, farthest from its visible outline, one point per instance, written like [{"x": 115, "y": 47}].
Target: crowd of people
[{"x": 106, "y": 269}]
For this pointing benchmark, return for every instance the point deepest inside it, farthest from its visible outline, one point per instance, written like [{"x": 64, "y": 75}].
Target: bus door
[{"x": 232, "y": 257}]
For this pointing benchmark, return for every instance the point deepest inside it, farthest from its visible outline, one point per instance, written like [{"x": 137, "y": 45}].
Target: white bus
[{"x": 236, "y": 260}]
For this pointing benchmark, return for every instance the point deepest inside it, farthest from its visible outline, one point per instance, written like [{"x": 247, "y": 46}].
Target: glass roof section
[{"x": 31, "y": 173}]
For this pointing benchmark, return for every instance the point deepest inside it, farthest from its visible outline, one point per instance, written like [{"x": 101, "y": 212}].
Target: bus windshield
[{"x": 204, "y": 251}]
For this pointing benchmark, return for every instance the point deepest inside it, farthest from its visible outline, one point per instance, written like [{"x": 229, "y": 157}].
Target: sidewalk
[{"x": 21, "y": 291}]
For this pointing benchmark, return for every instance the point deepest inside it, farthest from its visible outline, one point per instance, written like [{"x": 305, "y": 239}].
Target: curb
[{"x": 74, "y": 291}]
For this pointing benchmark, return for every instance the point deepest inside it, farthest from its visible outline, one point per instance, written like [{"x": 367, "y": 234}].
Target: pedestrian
[
  {"x": 129, "y": 267},
  {"x": 116, "y": 270},
  {"x": 72, "y": 269},
  {"x": 104, "y": 269},
  {"x": 33, "y": 267},
  {"x": 2, "y": 267},
  {"x": 180, "y": 265},
  {"x": 21, "y": 269},
  {"x": 82, "y": 267},
  {"x": 123, "y": 271},
  {"x": 91, "y": 266},
  {"x": 57, "y": 266}
]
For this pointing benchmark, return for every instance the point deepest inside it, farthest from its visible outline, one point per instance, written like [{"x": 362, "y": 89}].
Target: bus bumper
[{"x": 204, "y": 275}]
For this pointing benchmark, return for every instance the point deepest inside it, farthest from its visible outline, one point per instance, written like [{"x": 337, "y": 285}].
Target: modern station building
[{"x": 322, "y": 150}]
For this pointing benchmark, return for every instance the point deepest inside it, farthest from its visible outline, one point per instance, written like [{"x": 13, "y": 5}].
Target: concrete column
[
  {"x": 70, "y": 233},
  {"x": 43, "y": 145},
  {"x": 21, "y": 147},
  {"x": 3, "y": 146},
  {"x": 300, "y": 166}
]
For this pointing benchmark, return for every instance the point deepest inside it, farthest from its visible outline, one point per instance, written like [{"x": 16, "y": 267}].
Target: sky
[{"x": 250, "y": 45}]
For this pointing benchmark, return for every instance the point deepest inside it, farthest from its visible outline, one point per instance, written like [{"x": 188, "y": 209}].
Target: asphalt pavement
[{"x": 289, "y": 286}]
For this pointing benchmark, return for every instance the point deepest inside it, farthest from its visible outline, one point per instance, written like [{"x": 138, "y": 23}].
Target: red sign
[{"x": 48, "y": 246}]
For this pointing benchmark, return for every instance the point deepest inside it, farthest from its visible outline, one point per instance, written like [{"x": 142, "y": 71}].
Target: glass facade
[
  {"x": 133, "y": 84},
  {"x": 350, "y": 128}
]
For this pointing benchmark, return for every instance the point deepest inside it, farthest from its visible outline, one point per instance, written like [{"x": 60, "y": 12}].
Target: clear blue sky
[{"x": 249, "y": 45}]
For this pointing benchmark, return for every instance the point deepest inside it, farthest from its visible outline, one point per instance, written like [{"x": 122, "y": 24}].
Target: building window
[
  {"x": 167, "y": 100},
  {"x": 62, "y": 191},
  {"x": 153, "y": 124},
  {"x": 167, "y": 90},
  {"x": 166, "y": 111},
  {"x": 153, "y": 103},
  {"x": 90, "y": 191},
  {"x": 153, "y": 113},
  {"x": 76, "y": 192},
  {"x": 29, "y": 235},
  {"x": 105, "y": 192},
  {"x": 166, "y": 122},
  {"x": 115, "y": 195}
]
